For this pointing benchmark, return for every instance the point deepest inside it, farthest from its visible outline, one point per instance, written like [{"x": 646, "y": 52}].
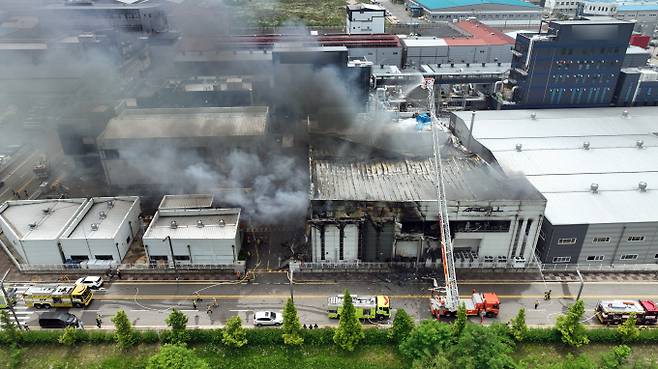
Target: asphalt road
[{"x": 147, "y": 303}]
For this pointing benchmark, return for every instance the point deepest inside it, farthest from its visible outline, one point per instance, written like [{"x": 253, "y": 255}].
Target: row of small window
[
  {"x": 486, "y": 16},
  {"x": 567, "y": 3},
  {"x": 572, "y": 240},
  {"x": 592, "y": 51},
  {"x": 567, "y": 259},
  {"x": 601, "y": 8}
]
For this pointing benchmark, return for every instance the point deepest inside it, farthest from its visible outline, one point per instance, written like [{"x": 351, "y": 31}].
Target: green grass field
[{"x": 267, "y": 13}]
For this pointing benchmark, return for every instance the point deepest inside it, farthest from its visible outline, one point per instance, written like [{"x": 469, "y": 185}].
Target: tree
[
  {"x": 479, "y": 347},
  {"x": 570, "y": 327},
  {"x": 628, "y": 331},
  {"x": 426, "y": 339},
  {"x": 349, "y": 332},
  {"x": 459, "y": 323},
  {"x": 437, "y": 361},
  {"x": 123, "y": 331},
  {"x": 10, "y": 332},
  {"x": 68, "y": 336},
  {"x": 403, "y": 324},
  {"x": 176, "y": 357},
  {"x": 616, "y": 358},
  {"x": 234, "y": 334},
  {"x": 518, "y": 327},
  {"x": 177, "y": 321},
  {"x": 291, "y": 325}
]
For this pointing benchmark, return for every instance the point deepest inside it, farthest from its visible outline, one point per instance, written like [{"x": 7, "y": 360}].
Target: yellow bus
[{"x": 63, "y": 295}]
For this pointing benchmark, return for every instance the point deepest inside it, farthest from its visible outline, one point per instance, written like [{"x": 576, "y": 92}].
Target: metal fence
[
  {"x": 132, "y": 268},
  {"x": 390, "y": 266},
  {"x": 600, "y": 268}
]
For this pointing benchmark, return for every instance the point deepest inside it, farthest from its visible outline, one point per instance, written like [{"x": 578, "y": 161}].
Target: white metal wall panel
[
  {"x": 331, "y": 243},
  {"x": 407, "y": 249},
  {"x": 351, "y": 242}
]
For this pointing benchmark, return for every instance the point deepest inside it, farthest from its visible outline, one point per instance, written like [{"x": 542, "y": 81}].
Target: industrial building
[
  {"x": 188, "y": 201},
  {"x": 498, "y": 13},
  {"x": 596, "y": 168},
  {"x": 365, "y": 19},
  {"x": 137, "y": 139},
  {"x": 479, "y": 44},
  {"x": 385, "y": 208},
  {"x": 90, "y": 15},
  {"x": 103, "y": 230},
  {"x": 573, "y": 64},
  {"x": 563, "y": 9},
  {"x": 178, "y": 237},
  {"x": 643, "y": 13},
  {"x": 34, "y": 228}
]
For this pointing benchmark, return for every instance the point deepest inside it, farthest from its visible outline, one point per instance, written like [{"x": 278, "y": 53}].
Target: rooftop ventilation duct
[
  {"x": 102, "y": 215},
  {"x": 94, "y": 226},
  {"x": 533, "y": 116},
  {"x": 519, "y": 147},
  {"x": 32, "y": 226},
  {"x": 639, "y": 144},
  {"x": 624, "y": 113},
  {"x": 110, "y": 204},
  {"x": 642, "y": 186},
  {"x": 173, "y": 224},
  {"x": 222, "y": 222},
  {"x": 199, "y": 223},
  {"x": 594, "y": 187},
  {"x": 46, "y": 211},
  {"x": 586, "y": 145}
]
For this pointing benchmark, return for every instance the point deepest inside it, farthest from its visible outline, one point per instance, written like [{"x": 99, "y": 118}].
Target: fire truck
[
  {"x": 617, "y": 311},
  {"x": 444, "y": 300},
  {"x": 367, "y": 307},
  {"x": 63, "y": 295}
]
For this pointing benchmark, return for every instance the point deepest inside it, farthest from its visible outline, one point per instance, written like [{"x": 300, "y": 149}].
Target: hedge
[{"x": 317, "y": 337}]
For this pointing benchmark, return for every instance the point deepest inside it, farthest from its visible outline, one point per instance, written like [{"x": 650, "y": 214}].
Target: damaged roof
[{"x": 467, "y": 178}]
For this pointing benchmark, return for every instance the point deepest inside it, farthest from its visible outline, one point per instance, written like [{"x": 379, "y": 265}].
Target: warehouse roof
[
  {"x": 187, "y": 122},
  {"x": 564, "y": 151},
  {"x": 214, "y": 224},
  {"x": 192, "y": 201},
  {"x": 637, "y": 6},
  {"x": 466, "y": 179},
  {"x": 101, "y": 218},
  {"x": 39, "y": 219},
  {"x": 447, "y": 4}
]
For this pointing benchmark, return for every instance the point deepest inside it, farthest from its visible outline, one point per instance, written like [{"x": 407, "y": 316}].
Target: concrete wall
[
  {"x": 40, "y": 251},
  {"x": 199, "y": 251},
  {"x": 378, "y": 55}
]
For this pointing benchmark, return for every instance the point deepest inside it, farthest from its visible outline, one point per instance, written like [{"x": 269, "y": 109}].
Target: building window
[
  {"x": 561, "y": 259},
  {"x": 628, "y": 257},
  {"x": 595, "y": 258},
  {"x": 601, "y": 240},
  {"x": 104, "y": 257},
  {"x": 567, "y": 241},
  {"x": 182, "y": 257},
  {"x": 79, "y": 257},
  {"x": 635, "y": 238}
]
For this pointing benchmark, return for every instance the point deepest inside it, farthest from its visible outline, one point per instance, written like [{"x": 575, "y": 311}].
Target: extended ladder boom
[{"x": 451, "y": 289}]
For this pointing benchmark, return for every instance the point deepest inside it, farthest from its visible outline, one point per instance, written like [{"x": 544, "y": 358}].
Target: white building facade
[
  {"x": 193, "y": 237},
  {"x": 365, "y": 19}
]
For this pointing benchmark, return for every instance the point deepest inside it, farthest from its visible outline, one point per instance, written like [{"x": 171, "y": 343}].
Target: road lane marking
[{"x": 308, "y": 296}]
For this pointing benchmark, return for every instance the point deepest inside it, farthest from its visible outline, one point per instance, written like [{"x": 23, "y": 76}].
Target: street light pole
[
  {"x": 9, "y": 303},
  {"x": 582, "y": 284},
  {"x": 292, "y": 293},
  {"x": 171, "y": 249}
]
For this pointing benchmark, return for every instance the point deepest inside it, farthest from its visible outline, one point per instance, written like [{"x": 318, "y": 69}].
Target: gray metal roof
[
  {"x": 187, "y": 122},
  {"x": 106, "y": 213},
  {"x": 192, "y": 201},
  {"x": 40, "y": 219},
  {"x": 466, "y": 179},
  {"x": 554, "y": 159},
  {"x": 187, "y": 227}
]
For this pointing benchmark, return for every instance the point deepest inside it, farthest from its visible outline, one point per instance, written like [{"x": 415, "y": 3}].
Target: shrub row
[
  {"x": 595, "y": 335},
  {"x": 255, "y": 337}
]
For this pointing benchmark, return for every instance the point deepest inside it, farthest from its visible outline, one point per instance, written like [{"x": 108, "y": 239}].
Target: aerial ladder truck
[{"x": 445, "y": 300}]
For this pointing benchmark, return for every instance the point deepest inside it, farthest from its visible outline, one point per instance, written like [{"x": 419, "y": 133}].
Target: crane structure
[
  {"x": 445, "y": 299},
  {"x": 448, "y": 295}
]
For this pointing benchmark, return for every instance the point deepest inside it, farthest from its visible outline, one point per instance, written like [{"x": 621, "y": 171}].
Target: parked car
[
  {"x": 58, "y": 319},
  {"x": 94, "y": 282},
  {"x": 262, "y": 318}
]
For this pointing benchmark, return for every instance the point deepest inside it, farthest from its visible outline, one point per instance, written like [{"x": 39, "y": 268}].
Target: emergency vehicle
[
  {"x": 487, "y": 304},
  {"x": 367, "y": 307},
  {"x": 63, "y": 295},
  {"x": 617, "y": 311}
]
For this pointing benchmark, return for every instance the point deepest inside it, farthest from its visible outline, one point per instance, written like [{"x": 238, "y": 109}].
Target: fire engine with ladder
[{"x": 445, "y": 300}]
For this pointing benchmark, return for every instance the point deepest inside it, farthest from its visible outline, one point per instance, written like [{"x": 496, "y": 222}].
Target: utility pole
[
  {"x": 171, "y": 249},
  {"x": 582, "y": 284},
  {"x": 9, "y": 303}
]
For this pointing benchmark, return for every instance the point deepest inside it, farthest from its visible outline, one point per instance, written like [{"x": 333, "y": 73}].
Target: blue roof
[
  {"x": 446, "y": 4},
  {"x": 631, "y": 7}
]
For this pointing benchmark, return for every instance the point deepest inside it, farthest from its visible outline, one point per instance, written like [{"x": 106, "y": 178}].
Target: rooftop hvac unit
[
  {"x": 110, "y": 204},
  {"x": 102, "y": 215},
  {"x": 173, "y": 224},
  {"x": 94, "y": 226},
  {"x": 594, "y": 187},
  {"x": 586, "y": 145},
  {"x": 199, "y": 223},
  {"x": 32, "y": 226},
  {"x": 519, "y": 147},
  {"x": 639, "y": 144},
  {"x": 642, "y": 186},
  {"x": 222, "y": 222}
]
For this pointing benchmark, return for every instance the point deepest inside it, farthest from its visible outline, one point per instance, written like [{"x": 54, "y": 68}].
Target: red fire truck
[
  {"x": 617, "y": 311},
  {"x": 487, "y": 303}
]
